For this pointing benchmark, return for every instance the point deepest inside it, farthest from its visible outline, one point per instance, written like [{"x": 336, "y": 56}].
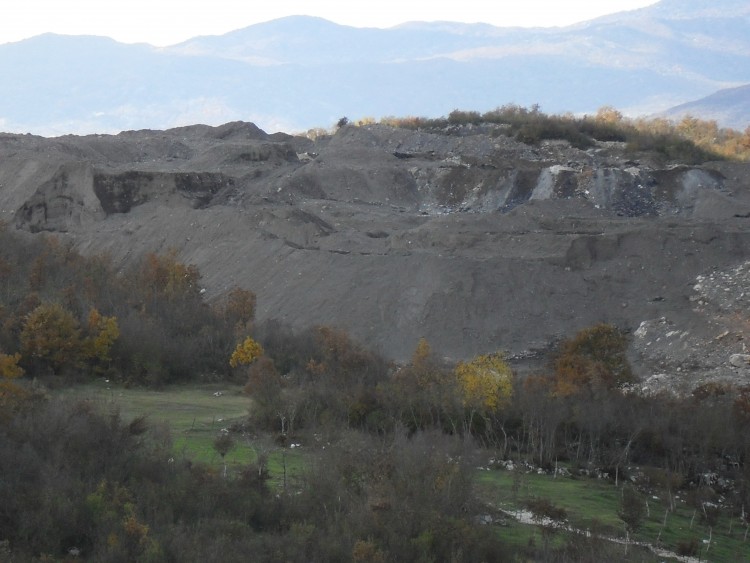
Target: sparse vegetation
[{"x": 690, "y": 141}]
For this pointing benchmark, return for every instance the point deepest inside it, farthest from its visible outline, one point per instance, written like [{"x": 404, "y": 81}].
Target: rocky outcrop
[
  {"x": 119, "y": 193},
  {"x": 62, "y": 202}
]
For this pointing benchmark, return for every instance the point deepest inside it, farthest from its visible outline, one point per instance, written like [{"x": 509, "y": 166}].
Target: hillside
[
  {"x": 729, "y": 108},
  {"x": 461, "y": 235},
  {"x": 297, "y": 73}
]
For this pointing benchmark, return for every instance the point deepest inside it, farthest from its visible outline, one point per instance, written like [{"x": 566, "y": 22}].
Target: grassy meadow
[
  {"x": 592, "y": 505},
  {"x": 195, "y": 416}
]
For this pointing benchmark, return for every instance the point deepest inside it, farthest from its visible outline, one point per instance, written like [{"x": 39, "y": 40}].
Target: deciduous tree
[
  {"x": 239, "y": 309},
  {"x": 103, "y": 332},
  {"x": 246, "y": 353},
  {"x": 486, "y": 382},
  {"x": 264, "y": 384},
  {"x": 485, "y": 385},
  {"x": 426, "y": 391},
  {"x": 9, "y": 372},
  {"x": 165, "y": 276},
  {"x": 593, "y": 357},
  {"x": 51, "y": 338}
]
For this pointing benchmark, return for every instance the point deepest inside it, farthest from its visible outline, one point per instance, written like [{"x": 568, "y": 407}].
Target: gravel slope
[{"x": 465, "y": 237}]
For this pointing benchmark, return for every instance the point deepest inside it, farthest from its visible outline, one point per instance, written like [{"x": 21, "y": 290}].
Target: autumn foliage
[
  {"x": 486, "y": 382},
  {"x": 246, "y": 353},
  {"x": 239, "y": 309},
  {"x": 164, "y": 275},
  {"x": 74, "y": 317},
  {"x": 689, "y": 140},
  {"x": 103, "y": 333},
  {"x": 51, "y": 339},
  {"x": 594, "y": 357},
  {"x": 10, "y": 371}
]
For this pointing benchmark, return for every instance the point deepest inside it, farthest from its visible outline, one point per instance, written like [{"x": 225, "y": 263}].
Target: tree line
[{"x": 68, "y": 317}]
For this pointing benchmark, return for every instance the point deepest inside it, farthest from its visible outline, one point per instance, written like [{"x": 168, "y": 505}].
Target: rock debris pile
[{"x": 463, "y": 236}]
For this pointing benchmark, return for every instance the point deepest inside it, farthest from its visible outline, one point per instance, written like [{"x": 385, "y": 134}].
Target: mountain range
[
  {"x": 300, "y": 72},
  {"x": 729, "y": 108}
]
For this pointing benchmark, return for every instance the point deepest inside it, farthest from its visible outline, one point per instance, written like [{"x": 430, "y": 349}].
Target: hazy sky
[{"x": 165, "y": 22}]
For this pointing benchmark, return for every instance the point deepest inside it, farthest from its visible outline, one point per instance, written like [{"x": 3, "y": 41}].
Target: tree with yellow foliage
[
  {"x": 486, "y": 382},
  {"x": 424, "y": 366},
  {"x": 246, "y": 353},
  {"x": 9, "y": 368},
  {"x": 163, "y": 276}
]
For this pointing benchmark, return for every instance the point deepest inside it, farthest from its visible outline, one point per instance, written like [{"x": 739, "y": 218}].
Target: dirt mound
[{"x": 464, "y": 236}]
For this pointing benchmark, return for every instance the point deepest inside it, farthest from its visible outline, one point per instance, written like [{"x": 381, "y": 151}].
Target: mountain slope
[{"x": 729, "y": 108}]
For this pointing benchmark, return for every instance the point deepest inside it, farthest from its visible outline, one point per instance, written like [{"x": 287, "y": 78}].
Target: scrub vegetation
[{"x": 689, "y": 141}]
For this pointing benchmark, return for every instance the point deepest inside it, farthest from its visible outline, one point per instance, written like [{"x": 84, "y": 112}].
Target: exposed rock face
[
  {"x": 465, "y": 237},
  {"x": 119, "y": 193}
]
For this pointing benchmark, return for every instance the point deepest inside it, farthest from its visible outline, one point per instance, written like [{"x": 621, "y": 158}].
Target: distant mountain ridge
[
  {"x": 729, "y": 108},
  {"x": 300, "y": 72}
]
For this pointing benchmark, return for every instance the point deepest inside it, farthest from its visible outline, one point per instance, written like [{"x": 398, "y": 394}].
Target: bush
[
  {"x": 543, "y": 508},
  {"x": 632, "y": 509},
  {"x": 688, "y": 548}
]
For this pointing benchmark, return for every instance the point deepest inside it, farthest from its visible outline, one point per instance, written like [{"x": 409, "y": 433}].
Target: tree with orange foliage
[
  {"x": 594, "y": 357},
  {"x": 165, "y": 276},
  {"x": 103, "y": 332},
  {"x": 342, "y": 361},
  {"x": 10, "y": 371},
  {"x": 239, "y": 309}
]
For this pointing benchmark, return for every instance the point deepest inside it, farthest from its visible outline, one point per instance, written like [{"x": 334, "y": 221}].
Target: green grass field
[
  {"x": 195, "y": 415},
  {"x": 594, "y": 505}
]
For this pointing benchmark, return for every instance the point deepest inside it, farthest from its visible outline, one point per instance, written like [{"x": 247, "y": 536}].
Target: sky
[{"x": 166, "y": 22}]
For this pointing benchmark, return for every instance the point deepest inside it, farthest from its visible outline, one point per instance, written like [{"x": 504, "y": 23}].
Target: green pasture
[
  {"x": 588, "y": 502},
  {"x": 594, "y": 505},
  {"x": 195, "y": 416}
]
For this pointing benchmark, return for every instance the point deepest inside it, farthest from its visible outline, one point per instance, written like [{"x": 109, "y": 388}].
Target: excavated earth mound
[{"x": 463, "y": 236}]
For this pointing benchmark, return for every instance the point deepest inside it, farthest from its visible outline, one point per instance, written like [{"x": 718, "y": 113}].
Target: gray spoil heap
[{"x": 463, "y": 236}]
